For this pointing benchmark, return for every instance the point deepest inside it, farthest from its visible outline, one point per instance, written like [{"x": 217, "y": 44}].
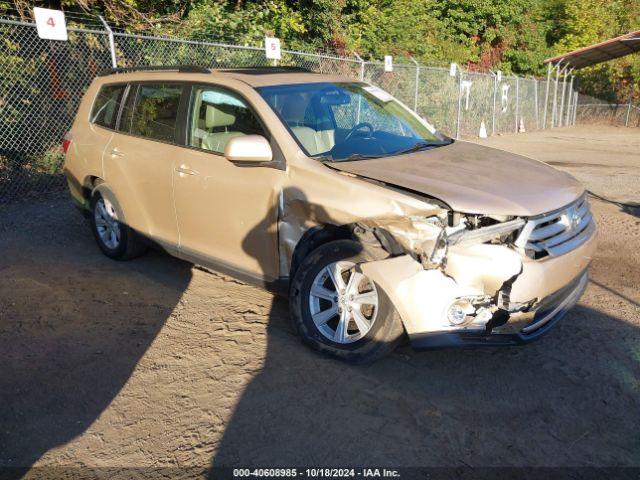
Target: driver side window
[{"x": 218, "y": 115}]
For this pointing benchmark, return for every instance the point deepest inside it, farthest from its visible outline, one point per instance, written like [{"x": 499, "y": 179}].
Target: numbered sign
[
  {"x": 504, "y": 99},
  {"x": 453, "y": 68},
  {"x": 388, "y": 63},
  {"x": 272, "y": 48},
  {"x": 50, "y": 24},
  {"x": 465, "y": 86}
]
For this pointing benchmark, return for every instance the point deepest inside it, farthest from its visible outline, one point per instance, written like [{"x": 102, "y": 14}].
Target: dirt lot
[{"x": 155, "y": 363}]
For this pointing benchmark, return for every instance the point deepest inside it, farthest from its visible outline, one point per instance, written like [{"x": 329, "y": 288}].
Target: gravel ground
[{"x": 156, "y": 363}]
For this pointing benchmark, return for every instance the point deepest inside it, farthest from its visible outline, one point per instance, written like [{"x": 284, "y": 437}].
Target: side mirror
[{"x": 248, "y": 148}]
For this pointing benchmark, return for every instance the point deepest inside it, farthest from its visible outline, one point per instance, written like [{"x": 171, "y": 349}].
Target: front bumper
[
  {"x": 538, "y": 293},
  {"x": 548, "y": 312}
]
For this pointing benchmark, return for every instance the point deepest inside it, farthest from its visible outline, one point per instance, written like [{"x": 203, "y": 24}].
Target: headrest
[
  {"x": 293, "y": 111},
  {"x": 218, "y": 118}
]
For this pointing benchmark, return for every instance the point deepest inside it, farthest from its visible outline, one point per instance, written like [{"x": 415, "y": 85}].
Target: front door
[{"x": 227, "y": 214}]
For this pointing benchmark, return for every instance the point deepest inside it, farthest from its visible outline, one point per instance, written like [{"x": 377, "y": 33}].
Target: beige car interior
[
  {"x": 219, "y": 125},
  {"x": 314, "y": 141}
]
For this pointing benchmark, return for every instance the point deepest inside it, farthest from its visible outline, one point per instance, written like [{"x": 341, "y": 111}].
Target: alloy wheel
[
  {"x": 107, "y": 224},
  {"x": 343, "y": 302}
]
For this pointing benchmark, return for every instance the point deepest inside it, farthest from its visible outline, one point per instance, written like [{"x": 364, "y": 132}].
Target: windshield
[{"x": 349, "y": 121}]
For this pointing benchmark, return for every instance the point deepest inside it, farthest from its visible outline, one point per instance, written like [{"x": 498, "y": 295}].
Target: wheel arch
[
  {"x": 89, "y": 184},
  {"x": 316, "y": 236},
  {"x": 102, "y": 187}
]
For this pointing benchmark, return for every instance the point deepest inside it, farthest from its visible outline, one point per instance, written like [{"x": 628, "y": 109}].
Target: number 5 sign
[
  {"x": 50, "y": 24},
  {"x": 272, "y": 48}
]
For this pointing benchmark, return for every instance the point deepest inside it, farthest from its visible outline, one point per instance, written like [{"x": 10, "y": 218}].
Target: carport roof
[{"x": 600, "y": 52}]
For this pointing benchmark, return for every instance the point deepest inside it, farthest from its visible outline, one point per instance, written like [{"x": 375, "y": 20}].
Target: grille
[{"x": 556, "y": 233}]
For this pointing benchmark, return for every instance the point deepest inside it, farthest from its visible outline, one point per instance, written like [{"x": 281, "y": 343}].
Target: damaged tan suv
[{"x": 374, "y": 223}]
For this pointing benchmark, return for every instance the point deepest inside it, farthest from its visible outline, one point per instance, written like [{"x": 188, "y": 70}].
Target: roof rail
[
  {"x": 179, "y": 68},
  {"x": 264, "y": 69}
]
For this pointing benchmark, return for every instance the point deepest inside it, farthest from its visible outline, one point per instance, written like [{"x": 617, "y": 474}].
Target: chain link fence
[
  {"x": 591, "y": 110},
  {"x": 42, "y": 83}
]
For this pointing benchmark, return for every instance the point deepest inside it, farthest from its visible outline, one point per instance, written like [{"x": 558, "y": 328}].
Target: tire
[
  {"x": 127, "y": 245},
  {"x": 353, "y": 344}
]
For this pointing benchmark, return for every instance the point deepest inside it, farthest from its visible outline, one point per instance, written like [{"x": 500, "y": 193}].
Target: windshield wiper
[
  {"x": 417, "y": 147},
  {"x": 352, "y": 157},
  {"x": 359, "y": 156}
]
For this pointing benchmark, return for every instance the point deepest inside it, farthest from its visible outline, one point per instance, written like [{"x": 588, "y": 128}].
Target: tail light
[{"x": 66, "y": 142}]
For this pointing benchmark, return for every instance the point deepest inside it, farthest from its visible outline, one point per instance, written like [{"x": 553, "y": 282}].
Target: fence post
[
  {"x": 575, "y": 108},
  {"x": 112, "y": 45},
  {"x": 517, "y": 101},
  {"x": 493, "y": 113},
  {"x": 555, "y": 96},
  {"x": 362, "y": 62},
  {"x": 569, "y": 103},
  {"x": 415, "y": 98},
  {"x": 568, "y": 108},
  {"x": 564, "y": 88},
  {"x": 459, "y": 103},
  {"x": 546, "y": 98},
  {"x": 535, "y": 97},
  {"x": 626, "y": 122}
]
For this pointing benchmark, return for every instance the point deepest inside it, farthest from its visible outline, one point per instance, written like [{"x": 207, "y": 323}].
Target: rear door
[{"x": 140, "y": 159}]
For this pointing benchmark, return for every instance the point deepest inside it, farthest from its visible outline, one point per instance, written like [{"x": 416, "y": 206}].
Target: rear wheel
[
  {"x": 338, "y": 310},
  {"x": 115, "y": 238}
]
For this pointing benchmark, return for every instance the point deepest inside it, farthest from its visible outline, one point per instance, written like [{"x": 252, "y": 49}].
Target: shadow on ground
[
  {"x": 631, "y": 208},
  {"x": 73, "y": 327},
  {"x": 566, "y": 400}
]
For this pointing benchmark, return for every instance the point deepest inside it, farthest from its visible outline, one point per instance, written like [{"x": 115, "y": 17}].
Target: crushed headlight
[
  {"x": 485, "y": 234},
  {"x": 426, "y": 237}
]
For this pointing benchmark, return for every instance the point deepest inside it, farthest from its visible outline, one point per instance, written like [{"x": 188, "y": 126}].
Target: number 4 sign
[{"x": 50, "y": 24}]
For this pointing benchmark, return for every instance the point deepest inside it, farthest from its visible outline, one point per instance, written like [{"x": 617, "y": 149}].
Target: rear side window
[
  {"x": 155, "y": 111},
  {"x": 106, "y": 105}
]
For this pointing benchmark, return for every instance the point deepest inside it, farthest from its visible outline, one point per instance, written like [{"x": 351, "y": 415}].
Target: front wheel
[{"x": 338, "y": 310}]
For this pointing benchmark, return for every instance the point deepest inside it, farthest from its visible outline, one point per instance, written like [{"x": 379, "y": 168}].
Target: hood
[{"x": 472, "y": 178}]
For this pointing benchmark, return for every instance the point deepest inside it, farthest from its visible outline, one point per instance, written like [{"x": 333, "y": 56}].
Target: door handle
[
  {"x": 186, "y": 170},
  {"x": 116, "y": 153}
]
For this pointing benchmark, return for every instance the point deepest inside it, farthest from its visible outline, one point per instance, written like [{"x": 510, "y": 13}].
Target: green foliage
[
  {"x": 512, "y": 35},
  {"x": 50, "y": 162},
  {"x": 247, "y": 25}
]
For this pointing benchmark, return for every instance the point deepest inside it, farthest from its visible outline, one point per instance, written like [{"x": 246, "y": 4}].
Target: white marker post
[
  {"x": 388, "y": 63},
  {"x": 272, "y": 48},
  {"x": 453, "y": 68},
  {"x": 50, "y": 24}
]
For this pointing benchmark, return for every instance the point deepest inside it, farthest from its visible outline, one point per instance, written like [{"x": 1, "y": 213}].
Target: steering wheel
[{"x": 358, "y": 127}]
